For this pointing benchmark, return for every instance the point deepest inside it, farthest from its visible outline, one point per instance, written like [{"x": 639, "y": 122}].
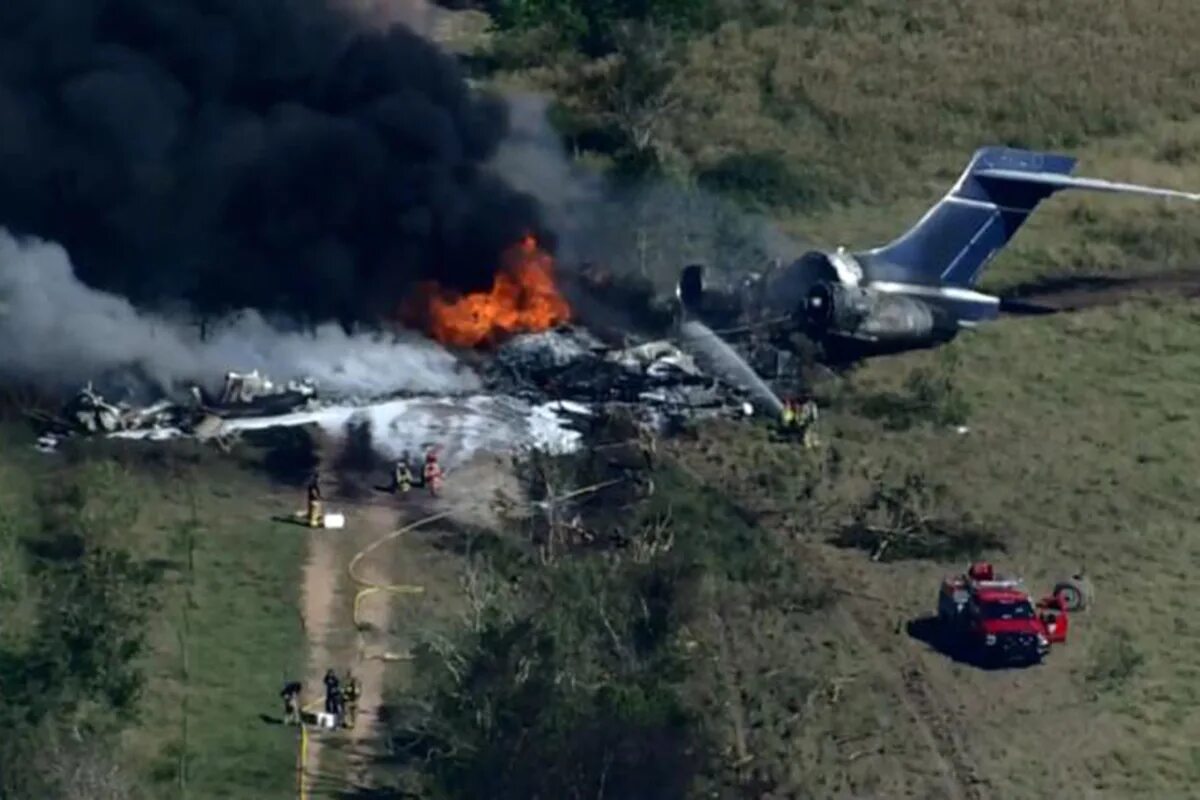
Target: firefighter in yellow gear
[
  {"x": 314, "y": 514},
  {"x": 402, "y": 477},
  {"x": 787, "y": 419},
  {"x": 351, "y": 690}
]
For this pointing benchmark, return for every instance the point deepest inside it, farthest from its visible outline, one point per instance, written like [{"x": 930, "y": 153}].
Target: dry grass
[
  {"x": 1079, "y": 453},
  {"x": 869, "y": 89}
]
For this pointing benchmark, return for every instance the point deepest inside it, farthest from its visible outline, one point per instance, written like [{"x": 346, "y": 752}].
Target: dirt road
[
  {"x": 334, "y": 643},
  {"x": 320, "y": 583},
  {"x": 389, "y": 622}
]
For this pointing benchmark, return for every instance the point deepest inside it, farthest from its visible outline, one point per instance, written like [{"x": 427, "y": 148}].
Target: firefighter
[
  {"x": 314, "y": 501},
  {"x": 808, "y": 422},
  {"x": 402, "y": 477},
  {"x": 350, "y": 697},
  {"x": 332, "y": 693},
  {"x": 433, "y": 473},
  {"x": 291, "y": 705},
  {"x": 788, "y": 416}
]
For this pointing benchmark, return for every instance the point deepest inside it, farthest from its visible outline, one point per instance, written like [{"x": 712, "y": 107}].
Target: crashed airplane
[{"x": 918, "y": 290}]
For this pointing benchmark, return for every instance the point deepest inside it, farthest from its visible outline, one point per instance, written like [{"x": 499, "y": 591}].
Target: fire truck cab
[{"x": 992, "y": 619}]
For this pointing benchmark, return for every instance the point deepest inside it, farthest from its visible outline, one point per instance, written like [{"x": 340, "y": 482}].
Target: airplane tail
[{"x": 993, "y": 197}]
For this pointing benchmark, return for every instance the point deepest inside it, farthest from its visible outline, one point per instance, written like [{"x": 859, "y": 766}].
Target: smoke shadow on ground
[
  {"x": 289, "y": 454},
  {"x": 357, "y": 462}
]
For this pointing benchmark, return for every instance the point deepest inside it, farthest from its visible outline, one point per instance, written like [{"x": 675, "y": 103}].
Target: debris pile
[
  {"x": 571, "y": 364},
  {"x": 242, "y": 395},
  {"x": 249, "y": 393},
  {"x": 89, "y": 413},
  {"x": 542, "y": 390}
]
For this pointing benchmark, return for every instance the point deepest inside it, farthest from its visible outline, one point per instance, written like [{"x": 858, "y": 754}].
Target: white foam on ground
[{"x": 461, "y": 426}]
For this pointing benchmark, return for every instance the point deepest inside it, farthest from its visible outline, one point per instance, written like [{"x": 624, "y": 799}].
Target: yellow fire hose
[{"x": 366, "y": 588}]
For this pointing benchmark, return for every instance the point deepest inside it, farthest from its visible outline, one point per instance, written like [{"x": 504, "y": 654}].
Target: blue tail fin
[{"x": 978, "y": 216}]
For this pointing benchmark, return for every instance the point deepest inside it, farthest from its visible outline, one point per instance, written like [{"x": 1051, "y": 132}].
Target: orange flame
[{"x": 523, "y": 298}]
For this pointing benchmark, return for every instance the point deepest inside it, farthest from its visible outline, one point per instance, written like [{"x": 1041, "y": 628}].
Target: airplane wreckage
[
  {"x": 917, "y": 291},
  {"x": 564, "y": 373},
  {"x": 242, "y": 395}
]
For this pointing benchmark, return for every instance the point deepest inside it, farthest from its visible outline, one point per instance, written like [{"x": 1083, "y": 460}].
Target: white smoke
[
  {"x": 652, "y": 227},
  {"x": 58, "y": 333}
]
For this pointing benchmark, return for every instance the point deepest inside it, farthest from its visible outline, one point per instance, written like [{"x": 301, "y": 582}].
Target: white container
[{"x": 335, "y": 521}]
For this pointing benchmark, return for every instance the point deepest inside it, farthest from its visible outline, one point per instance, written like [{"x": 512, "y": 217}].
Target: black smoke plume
[{"x": 226, "y": 154}]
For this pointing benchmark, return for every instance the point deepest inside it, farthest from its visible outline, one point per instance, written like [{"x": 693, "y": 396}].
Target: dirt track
[
  {"x": 376, "y": 649},
  {"x": 320, "y": 583},
  {"x": 1078, "y": 292},
  {"x": 333, "y": 640}
]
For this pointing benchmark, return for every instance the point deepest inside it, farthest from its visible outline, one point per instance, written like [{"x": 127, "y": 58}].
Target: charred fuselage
[
  {"x": 917, "y": 290},
  {"x": 822, "y": 295}
]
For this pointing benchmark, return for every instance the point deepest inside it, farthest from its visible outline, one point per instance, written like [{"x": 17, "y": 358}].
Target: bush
[
  {"x": 577, "y": 683},
  {"x": 74, "y": 668},
  {"x": 908, "y": 518},
  {"x": 767, "y": 179},
  {"x": 575, "y": 693}
]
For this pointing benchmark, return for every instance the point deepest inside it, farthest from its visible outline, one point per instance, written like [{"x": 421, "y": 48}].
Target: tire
[{"x": 1075, "y": 592}]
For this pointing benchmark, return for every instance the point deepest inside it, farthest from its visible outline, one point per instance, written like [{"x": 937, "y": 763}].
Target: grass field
[
  {"x": 1076, "y": 455},
  {"x": 245, "y": 636},
  {"x": 242, "y": 634}
]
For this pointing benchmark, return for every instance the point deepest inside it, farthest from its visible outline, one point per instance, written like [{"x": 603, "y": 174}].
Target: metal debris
[
  {"x": 243, "y": 394},
  {"x": 250, "y": 393},
  {"x": 571, "y": 364},
  {"x": 563, "y": 375}
]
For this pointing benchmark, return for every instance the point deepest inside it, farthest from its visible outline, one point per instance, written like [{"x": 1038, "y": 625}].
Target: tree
[
  {"x": 72, "y": 679},
  {"x": 636, "y": 94}
]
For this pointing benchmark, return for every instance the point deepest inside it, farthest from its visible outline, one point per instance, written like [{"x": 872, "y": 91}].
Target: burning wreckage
[
  {"x": 542, "y": 374},
  {"x": 560, "y": 375},
  {"x": 656, "y": 377}
]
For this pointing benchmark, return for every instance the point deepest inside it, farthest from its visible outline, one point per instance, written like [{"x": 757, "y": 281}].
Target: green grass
[
  {"x": 245, "y": 635},
  {"x": 245, "y": 641},
  {"x": 1078, "y": 454}
]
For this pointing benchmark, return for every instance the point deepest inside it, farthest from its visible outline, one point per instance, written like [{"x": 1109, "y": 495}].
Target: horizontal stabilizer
[
  {"x": 1069, "y": 182},
  {"x": 994, "y": 196}
]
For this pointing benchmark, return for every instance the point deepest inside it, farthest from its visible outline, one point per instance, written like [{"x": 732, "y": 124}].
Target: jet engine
[{"x": 834, "y": 309}]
